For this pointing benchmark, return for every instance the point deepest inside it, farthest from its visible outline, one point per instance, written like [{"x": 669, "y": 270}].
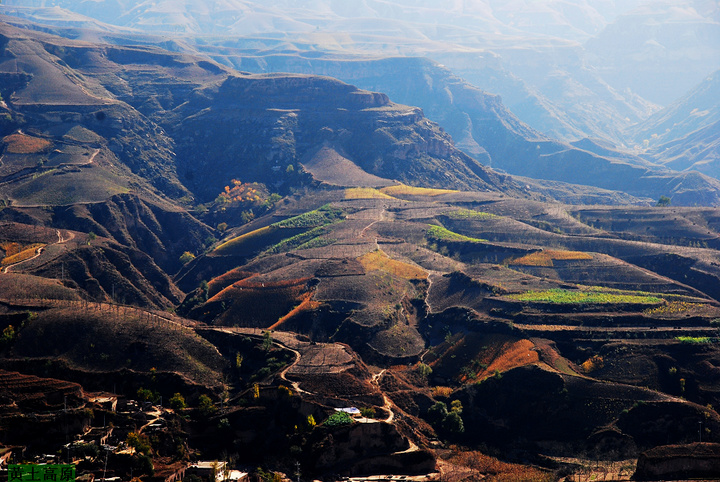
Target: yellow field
[
  {"x": 414, "y": 191},
  {"x": 378, "y": 260},
  {"x": 27, "y": 253},
  {"x": 232, "y": 244},
  {"x": 546, "y": 257},
  {"x": 365, "y": 193}
]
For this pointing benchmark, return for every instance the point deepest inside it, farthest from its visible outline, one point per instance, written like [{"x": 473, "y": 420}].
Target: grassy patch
[
  {"x": 378, "y": 260},
  {"x": 694, "y": 340},
  {"x": 546, "y": 257},
  {"x": 439, "y": 233},
  {"x": 365, "y": 193},
  {"x": 284, "y": 235},
  {"x": 402, "y": 189},
  {"x": 308, "y": 239},
  {"x": 583, "y": 297},
  {"x": 463, "y": 214},
  {"x": 312, "y": 219}
]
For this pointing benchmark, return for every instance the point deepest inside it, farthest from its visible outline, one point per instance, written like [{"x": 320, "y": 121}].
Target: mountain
[
  {"x": 698, "y": 109},
  {"x": 644, "y": 50},
  {"x": 697, "y": 151},
  {"x": 316, "y": 279},
  {"x": 571, "y": 60},
  {"x": 483, "y": 127},
  {"x": 684, "y": 135}
]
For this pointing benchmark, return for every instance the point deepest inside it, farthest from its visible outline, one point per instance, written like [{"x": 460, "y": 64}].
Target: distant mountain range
[
  {"x": 554, "y": 46},
  {"x": 168, "y": 114}
]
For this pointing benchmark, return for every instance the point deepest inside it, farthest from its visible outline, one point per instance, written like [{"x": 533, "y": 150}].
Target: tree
[
  {"x": 8, "y": 334},
  {"x": 453, "y": 423},
  {"x": 206, "y": 406},
  {"x": 177, "y": 402},
  {"x": 147, "y": 395},
  {"x": 437, "y": 413},
  {"x": 310, "y": 422},
  {"x": 424, "y": 370},
  {"x": 222, "y": 227},
  {"x": 139, "y": 442},
  {"x": 186, "y": 257},
  {"x": 267, "y": 341},
  {"x": 91, "y": 236},
  {"x": 663, "y": 201}
]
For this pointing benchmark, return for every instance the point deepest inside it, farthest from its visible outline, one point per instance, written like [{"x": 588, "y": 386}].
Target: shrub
[
  {"x": 338, "y": 419},
  {"x": 367, "y": 412},
  {"x": 593, "y": 363},
  {"x": 442, "y": 392},
  {"x": 186, "y": 257}
]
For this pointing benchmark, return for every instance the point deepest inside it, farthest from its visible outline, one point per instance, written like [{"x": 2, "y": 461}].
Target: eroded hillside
[{"x": 259, "y": 251}]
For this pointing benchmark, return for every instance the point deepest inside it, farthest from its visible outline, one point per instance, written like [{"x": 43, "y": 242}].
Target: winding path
[{"x": 39, "y": 251}]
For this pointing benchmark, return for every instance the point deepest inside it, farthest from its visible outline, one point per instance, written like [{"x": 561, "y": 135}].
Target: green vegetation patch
[
  {"x": 284, "y": 235},
  {"x": 694, "y": 340},
  {"x": 463, "y": 214},
  {"x": 304, "y": 240},
  {"x": 338, "y": 419},
  {"x": 585, "y": 297},
  {"x": 312, "y": 219},
  {"x": 439, "y": 233}
]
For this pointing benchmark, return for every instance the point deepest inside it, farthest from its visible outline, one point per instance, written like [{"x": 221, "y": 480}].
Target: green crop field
[
  {"x": 439, "y": 233},
  {"x": 582, "y": 297},
  {"x": 470, "y": 214}
]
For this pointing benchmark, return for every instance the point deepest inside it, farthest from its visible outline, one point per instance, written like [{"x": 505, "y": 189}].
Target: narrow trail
[
  {"x": 62, "y": 240},
  {"x": 38, "y": 252},
  {"x": 92, "y": 158},
  {"x": 276, "y": 342},
  {"x": 388, "y": 405},
  {"x": 283, "y": 373},
  {"x": 427, "y": 297},
  {"x": 363, "y": 233}
]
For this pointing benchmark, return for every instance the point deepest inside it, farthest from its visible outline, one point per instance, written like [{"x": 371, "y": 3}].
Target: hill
[{"x": 353, "y": 289}]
